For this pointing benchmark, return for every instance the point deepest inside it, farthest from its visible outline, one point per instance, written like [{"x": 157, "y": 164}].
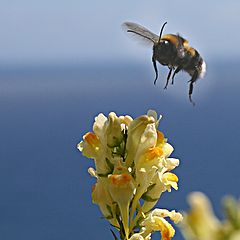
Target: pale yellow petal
[
  {"x": 167, "y": 149},
  {"x": 135, "y": 131},
  {"x": 136, "y": 236},
  {"x": 201, "y": 221},
  {"x": 113, "y": 130}
]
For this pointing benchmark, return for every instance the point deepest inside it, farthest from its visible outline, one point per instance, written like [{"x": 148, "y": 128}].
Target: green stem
[
  {"x": 134, "y": 222},
  {"x": 124, "y": 210}
]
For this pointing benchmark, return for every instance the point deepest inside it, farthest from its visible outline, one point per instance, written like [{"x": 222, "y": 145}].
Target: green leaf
[
  {"x": 147, "y": 198},
  {"x": 151, "y": 187}
]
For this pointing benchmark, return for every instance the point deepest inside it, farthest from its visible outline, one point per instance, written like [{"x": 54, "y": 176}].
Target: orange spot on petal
[
  {"x": 154, "y": 152},
  {"x": 160, "y": 138},
  {"x": 91, "y": 138},
  {"x": 166, "y": 229},
  {"x": 120, "y": 179}
]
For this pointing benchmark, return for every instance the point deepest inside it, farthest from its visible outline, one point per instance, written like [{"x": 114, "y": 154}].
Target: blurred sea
[{"x": 45, "y": 191}]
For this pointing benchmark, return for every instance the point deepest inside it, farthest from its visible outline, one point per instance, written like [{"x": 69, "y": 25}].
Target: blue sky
[{"x": 79, "y": 31}]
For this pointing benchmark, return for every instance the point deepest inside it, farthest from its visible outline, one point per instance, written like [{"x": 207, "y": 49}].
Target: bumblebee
[{"x": 172, "y": 51}]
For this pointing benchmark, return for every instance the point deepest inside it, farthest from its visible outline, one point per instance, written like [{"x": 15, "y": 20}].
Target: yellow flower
[
  {"x": 200, "y": 223},
  {"x": 133, "y": 167},
  {"x": 125, "y": 121},
  {"x": 138, "y": 236},
  {"x": 99, "y": 127},
  {"x": 155, "y": 222},
  {"x": 153, "y": 153},
  {"x": 167, "y": 149},
  {"x": 147, "y": 154},
  {"x": 137, "y": 135},
  {"x": 160, "y": 139},
  {"x": 102, "y": 198},
  {"x": 113, "y": 130},
  {"x": 166, "y": 229},
  {"x": 163, "y": 180},
  {"x": 170, "y": 180},
  {"x": 146, "y": 160},
  {"x": 121, "y": 188},
  {"x": 176, "y": 217},
  {"x": 90, "y": 145}
]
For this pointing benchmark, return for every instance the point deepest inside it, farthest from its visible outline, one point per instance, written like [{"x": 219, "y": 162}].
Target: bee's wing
[{"x": 140, "y": 32}]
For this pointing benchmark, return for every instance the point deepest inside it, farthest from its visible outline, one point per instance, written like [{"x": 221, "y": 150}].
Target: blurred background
[{"x": 63, "y": 62}]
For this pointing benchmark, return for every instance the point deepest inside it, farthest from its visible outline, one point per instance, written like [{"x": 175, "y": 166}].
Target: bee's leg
[
  {"x": 168, "y": 77},
  {"x": 193, "y": 79},
  {"x": 179, "y": 68},
  {"x": 190, "y": 92},
  {"x": 155, "y": 68}
]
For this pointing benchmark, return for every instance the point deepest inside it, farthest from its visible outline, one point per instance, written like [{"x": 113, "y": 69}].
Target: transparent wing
[{"x": 140, "y": 32}]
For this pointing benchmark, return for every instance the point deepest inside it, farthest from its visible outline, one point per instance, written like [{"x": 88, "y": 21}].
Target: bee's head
[
  {"x": 164, "y": 44},
  {"x": 162, "y": 47}
]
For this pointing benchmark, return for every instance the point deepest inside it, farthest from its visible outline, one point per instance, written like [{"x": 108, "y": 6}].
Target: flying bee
[{"x": 172, "y": 51}]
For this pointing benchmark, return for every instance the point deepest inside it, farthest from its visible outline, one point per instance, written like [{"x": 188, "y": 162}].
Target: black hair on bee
[{"x": 173, "y": 51}]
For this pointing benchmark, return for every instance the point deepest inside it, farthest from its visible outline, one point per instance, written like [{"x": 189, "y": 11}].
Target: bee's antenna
[{"x": 161, "y": 31}]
